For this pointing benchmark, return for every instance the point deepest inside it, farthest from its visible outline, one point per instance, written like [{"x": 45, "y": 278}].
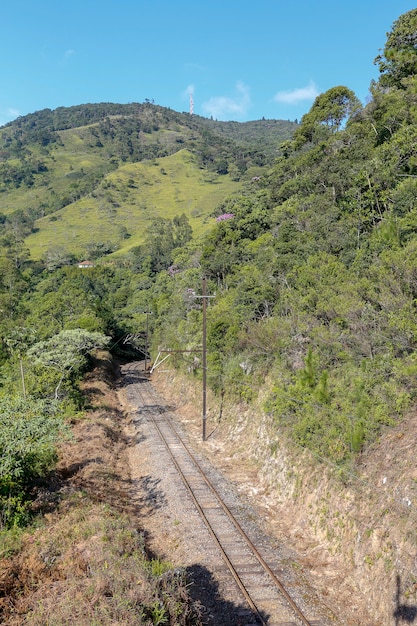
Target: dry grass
[{"x": 86, "y": 561}]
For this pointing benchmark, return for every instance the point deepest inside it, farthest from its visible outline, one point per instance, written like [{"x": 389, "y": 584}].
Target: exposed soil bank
[{"x": 356, "y": 532}]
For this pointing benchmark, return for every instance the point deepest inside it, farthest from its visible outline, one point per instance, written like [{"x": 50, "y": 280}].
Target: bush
[
  {"x": 336, "y": 414},
  {"x": 29, "y": 430}
]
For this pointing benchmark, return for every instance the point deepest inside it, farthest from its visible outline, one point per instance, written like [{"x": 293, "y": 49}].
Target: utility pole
[
  {"x": 204, "y": 358},
  {"x": 205, "y": 297},
  {"x": 146, "y": 340}
]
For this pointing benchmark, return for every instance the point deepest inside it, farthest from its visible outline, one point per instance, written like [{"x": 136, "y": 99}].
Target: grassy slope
[
  {"x": 130, "y": 197},
  {"x": 96, "y": 177},
  {"x": 63, "y": 161}
]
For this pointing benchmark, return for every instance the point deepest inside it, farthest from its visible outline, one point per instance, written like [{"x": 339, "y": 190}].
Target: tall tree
[
  {"x": 183, "y": 232},
  {"x": 18, "y": 341},
  {"x": 329, "y": 112},
  {"x": 398, "y": 59}
]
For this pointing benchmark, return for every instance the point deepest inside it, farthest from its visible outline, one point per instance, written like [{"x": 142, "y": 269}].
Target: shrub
[{"x": 29, "y": 430}]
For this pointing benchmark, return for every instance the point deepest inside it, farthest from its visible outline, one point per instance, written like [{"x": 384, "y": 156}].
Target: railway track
[{"x": 260, "y": 584}]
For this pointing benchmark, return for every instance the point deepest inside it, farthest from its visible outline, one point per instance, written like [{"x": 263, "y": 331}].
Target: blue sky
[{"x": 240, "y": 60}]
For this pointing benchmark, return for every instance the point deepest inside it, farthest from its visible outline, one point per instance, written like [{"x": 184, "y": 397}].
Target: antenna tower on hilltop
[{"x": 191, "y": 103}]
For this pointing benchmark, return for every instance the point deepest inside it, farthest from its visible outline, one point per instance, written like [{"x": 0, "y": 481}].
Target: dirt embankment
[
  {"x": 86, "y": 561},
  {"x": 356, "y": 531}
]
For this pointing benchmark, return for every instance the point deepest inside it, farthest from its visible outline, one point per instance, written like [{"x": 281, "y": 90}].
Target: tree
[
  {"x": 57, "y": 257},
  {"x": 12, "y": 286},
  {"x": 183, "y": 232},
  {"x": 329, "y": 112},
  {"x": 398, "y": 59},
  {"x": 66, "y": 352},
  {"x": 159, "y": 243},
  {"x": 18, "y": 342}
]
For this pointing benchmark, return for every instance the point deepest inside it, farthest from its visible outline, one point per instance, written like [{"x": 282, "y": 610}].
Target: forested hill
[
  {"x": 311, "y": 256},
  {"x": 267, "y": 135},
  {"x": 88, "y": 179}
]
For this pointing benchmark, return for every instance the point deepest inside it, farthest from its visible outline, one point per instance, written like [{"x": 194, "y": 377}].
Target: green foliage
[
  {"x": 20, "y": 339},
  {"x": 163, "y": 236},
  {"x": 399, "y": 57},
  {"x": 29, "y": 431},
  {"x": 32, "y": 426},
  {"x": 66, "y": 352},
  {"x": 63, "y": 168},
  {"x": 72, "y": 298},
  {"x": 226, "y": 245},
  {"x": 240, "y": 380},
  {"x": 335, "y": 413},
  {"x": 12, "y": 286},
  {"x": 264, "y": 136},
  {"x": 329, "y": 111}
]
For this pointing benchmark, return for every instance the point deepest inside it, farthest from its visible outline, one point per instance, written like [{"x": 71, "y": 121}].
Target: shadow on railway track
[
  {"x": 137, "y": 437},
  {"x": 152, "y": 497},
  {"x": 204, "y": 590},
  {"x": 404, "y": 613}
]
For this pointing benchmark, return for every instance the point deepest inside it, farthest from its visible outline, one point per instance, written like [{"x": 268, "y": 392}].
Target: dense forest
[{"x": 311, "y": 257}]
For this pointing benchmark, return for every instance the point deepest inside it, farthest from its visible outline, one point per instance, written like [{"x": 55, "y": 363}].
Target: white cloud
[
  {"x": 221, "y": 107},
  {"x": 295, "y": 96},
  {"x": 8, "y": 115}
]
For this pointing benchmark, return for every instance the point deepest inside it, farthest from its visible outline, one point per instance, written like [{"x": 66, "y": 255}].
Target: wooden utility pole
[
  {"x": 204, "y": 359},
  {"x": 146, "y": 340},
  {"x": 205, "y": 297}
]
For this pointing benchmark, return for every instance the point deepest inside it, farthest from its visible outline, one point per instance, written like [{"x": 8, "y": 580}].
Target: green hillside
[
  {"x": 264, "y": 135},
  {"x": 121, "y": 207},
  {"x": 97, "y": 174}
]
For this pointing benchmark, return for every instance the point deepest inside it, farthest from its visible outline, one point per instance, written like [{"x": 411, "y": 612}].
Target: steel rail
[
  {"x": 209, "y": 527},
  {"x": 297, "y": 611},
  {"x": 239, "y": 528}
]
